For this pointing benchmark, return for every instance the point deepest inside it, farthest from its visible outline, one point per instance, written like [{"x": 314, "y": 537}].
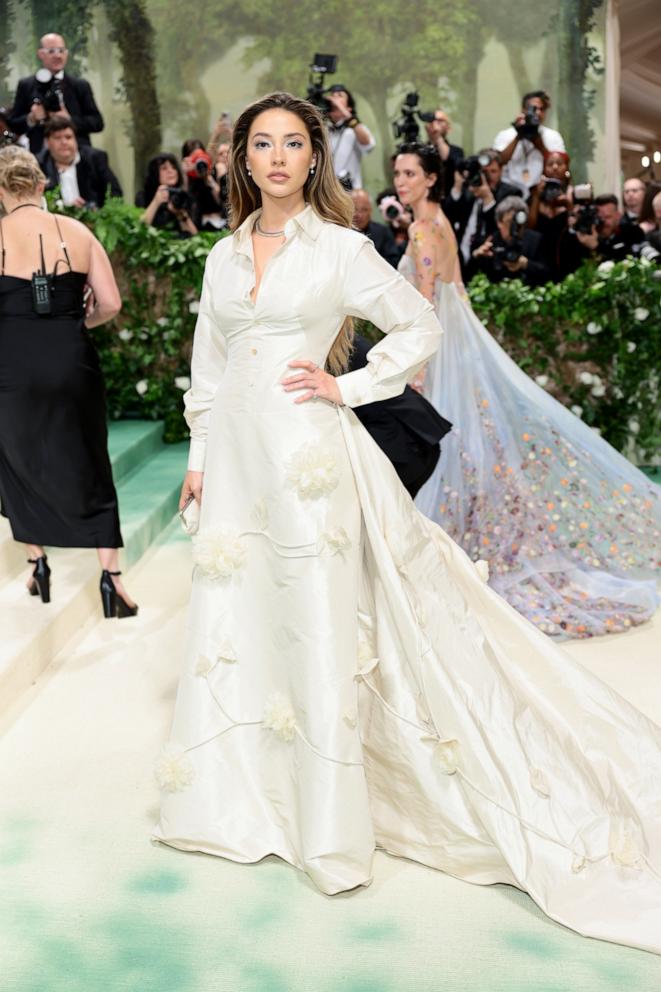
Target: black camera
[
  {"x": 512, "y": 249},
  {"x": 321, "y": 66},
  {"x": 471, "y": 169},
  {"x": 407, "y": 126},
  {"x": 179, "y": 198},
  {"x": 530, "y": 127},
  {"x": 201, "y": 168},
  {"x": 7, "y": 137},
  {"x": 587, "y": 215},
  {"x": 553, "y": 188},
  {"x": 49, "y": 91}
]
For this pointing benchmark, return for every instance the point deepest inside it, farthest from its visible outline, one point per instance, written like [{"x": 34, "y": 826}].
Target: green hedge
[{"x": 593, "y": 341}]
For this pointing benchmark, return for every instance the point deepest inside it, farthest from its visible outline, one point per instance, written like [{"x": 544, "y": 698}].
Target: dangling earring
[
  {"x": 312, "y": 168},
  {"x": 248, "y": 170}
]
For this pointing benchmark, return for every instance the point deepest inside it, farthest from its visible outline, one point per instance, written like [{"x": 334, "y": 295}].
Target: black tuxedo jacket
[
  {"x": 96, "y": 180},
  {"x": 458, "y": 211},
  {"x": 78, "y": 99},
  {"x": 407, "y": 428},
  {"x": 384, "y": 242}
]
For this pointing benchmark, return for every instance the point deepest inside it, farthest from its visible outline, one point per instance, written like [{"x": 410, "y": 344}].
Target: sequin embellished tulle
[{"x": 571, "y": 529}]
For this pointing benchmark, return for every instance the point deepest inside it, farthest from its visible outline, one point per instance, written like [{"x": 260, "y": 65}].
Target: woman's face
[
  {"x": 555, "y": 167},
  {"x": 279, "y": 153},
  {"x": 167, "y": 174},
  {"x": 410, "y": 180}
]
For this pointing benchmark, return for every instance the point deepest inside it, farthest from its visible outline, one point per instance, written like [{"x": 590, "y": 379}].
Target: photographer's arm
[{"x": 160, "y": 197}]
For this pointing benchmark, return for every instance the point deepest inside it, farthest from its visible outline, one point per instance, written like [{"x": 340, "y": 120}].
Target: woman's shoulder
[
  {"x": 428, "y": 229},
  {"x": 347, "y": 239},
  {"x": 221, "y": 250},
  {"x": 74, "y": 230}
]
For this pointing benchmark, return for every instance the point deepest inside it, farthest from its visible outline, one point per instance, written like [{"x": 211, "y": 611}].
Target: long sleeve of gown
[
  {"x": 375, "y": 291},
  {"x": 207, "y": 367}
]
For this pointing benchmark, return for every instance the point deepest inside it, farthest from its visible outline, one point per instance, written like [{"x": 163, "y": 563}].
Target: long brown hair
[{"x": 322, "y": 189}]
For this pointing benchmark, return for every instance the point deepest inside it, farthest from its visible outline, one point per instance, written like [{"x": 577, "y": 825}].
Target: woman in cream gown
[
  {"x": 572, "y": 529},
  {"x": 350, "y": 680}
]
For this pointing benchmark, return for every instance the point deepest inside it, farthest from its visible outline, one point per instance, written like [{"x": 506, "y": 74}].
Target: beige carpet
[{"x": 88, "y": 904}]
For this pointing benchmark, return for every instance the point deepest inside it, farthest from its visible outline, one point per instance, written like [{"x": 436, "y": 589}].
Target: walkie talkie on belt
[{"x": 42, "y": 286}]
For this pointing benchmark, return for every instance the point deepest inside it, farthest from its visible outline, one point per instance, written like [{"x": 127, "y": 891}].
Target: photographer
[
  {"x": 608, "y": 239},
  {"x": 397, "y": 217},
  {"x": 82, "y": 173},
  {"x": 349, "y": 139},
  {"x": 209, "y": 211},
  {"x": 167, "y": 204},
  {"x": 451, "y": 155},
  {"x": 52, "y": 91},
  {"x": 523, "y": 145},
  {"x": 379, "y": 234},
  {"x": 470, "y": 207},
  {"x": 513, "y": 251},
  {"x": 549, "y": 211}
]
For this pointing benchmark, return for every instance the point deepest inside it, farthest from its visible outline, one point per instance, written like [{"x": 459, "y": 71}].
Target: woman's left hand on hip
[{"x": 318, "y": 385}]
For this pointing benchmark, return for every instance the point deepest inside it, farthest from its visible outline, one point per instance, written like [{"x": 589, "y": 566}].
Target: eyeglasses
[{"x": 54, "y": 51}]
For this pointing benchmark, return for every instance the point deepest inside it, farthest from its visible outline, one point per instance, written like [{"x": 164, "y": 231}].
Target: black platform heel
[
  {"x": 113, "y": 604},
  {"x": 40, "y": 584}
]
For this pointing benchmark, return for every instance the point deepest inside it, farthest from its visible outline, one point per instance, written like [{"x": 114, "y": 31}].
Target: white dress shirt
[
  {"x": 348, "y": 152},
  {"x": 69, "y": 182},
  {"x": 526, "y": 165}
]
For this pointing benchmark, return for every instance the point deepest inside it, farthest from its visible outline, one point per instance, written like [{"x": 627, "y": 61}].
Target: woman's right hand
[
  {"x": 161, "y": 195},
  {"x": 192, "y": 487}
]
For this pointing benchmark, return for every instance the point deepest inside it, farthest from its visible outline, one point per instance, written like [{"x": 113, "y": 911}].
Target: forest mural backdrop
[{"x": 163, "y": 71}]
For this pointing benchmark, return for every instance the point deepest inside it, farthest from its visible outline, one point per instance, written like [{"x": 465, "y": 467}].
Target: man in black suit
[
  {"x": 83, "y": 174},
  {"x": 470, "y": 206},
  {"x": 52, "y": 91},
  {"x": 381, "y": 235},
  {"x": 407, "y": 428}
]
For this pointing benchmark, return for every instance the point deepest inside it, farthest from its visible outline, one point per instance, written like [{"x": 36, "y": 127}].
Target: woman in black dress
[{"x": 56, "y": 483}]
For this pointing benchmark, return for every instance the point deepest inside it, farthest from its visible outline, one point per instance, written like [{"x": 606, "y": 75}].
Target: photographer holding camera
[
  {"x": 82, "y": 173},
  {"x": 524, "y": 144},
  {"x": 513, "y": 251},
  {"x": 379, "y": 234},
  {"x": 349, "y": 139},
  {"x": 208, "y": 194},
  {"x": 167, "y": 204},
  {"x": 52, "y": 91},
  {"x": 451, "y": 155},
  {"x": 607, "y": 238},
  {"x": 478, "y": 187}
]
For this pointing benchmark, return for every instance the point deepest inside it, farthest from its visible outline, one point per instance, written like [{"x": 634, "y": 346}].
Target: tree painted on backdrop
[
  {"x": 382, "y": 49},
  {"x": 6, "y": 49}
]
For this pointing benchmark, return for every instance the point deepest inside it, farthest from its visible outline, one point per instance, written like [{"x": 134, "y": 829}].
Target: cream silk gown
[{"x": 350, "y": 680}]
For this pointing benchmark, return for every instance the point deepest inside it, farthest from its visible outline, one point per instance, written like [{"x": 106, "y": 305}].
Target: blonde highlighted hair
[
  {"x": 322, "y": 190},
  {"x": 20, "y": 174}
]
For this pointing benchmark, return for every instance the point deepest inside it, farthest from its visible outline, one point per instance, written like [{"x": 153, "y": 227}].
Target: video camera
[
  {"x": 49, "y": 91},
  {"x": 530, "y": 127},
  {"x": 321, "y": 66},
  {"x": 407, "y": 126},
  {"x": 587, "y": 216},
  {"x": 512, "y": 249},
  {"x": 471, "y": 169}
]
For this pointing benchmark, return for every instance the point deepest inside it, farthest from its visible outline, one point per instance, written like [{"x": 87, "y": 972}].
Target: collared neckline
[{"x": 307, "y": 221}]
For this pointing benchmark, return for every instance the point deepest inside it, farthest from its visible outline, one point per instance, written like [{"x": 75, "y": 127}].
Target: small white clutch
[{"x": 189, "y": 515}]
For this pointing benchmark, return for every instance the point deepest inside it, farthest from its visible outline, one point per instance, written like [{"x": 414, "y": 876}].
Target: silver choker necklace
[{"x": 267, "y": 234}]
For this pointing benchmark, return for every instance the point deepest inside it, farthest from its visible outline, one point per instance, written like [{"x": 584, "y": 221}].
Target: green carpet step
[
  {"x": 33, "y": 633},
  {"x": 131, "y": 443}
]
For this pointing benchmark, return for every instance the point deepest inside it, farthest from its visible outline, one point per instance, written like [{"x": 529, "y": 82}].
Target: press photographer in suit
[
  {"x": 51, "y": 91},
  {"x": 82, "y": 174}
]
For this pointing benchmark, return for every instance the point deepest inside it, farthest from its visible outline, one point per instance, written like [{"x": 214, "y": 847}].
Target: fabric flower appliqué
[
  {"x": 623, "y": 849},
  {"x": 312, "y": 472},
  {"x": 225, "y": 652},
  {"x": 447, "y": 756},
  {"x": 335, "y": 541},
  {"x": 279, "y": 717},
  {"x": 203, "y": 666},
  {"x": 173, "y": 770},
  {"x": 219, "y": 553}
]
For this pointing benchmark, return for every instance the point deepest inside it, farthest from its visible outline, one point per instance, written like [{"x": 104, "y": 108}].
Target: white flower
[
  {"x": 640, "y": 313},
  {"x": 162, "y": 321},
  {"x": 225, "y": 652},
  {"x": 539, "y": 782},
  {"x": 280, "y": 717},
  {"x": 631, "y": 346},
  {"x": 605, "y": 268},
  {"x": 194, "y": 306},
  {"x": 623, "y": 849},
  {"x": 173, "y": 769},
  {"x": 142, "y": 387},
  {"x": 182, "y": 382},
  {"x": 125, "y": 334},
  {"x": 634, "y": 426},
  {"x": 578, "y": 863},
  {"x": 219, "y": 553},
  {"x": 577, "y": 410},
  {"x": 447, "y": 754},
  {"x": 542, "y": 380},
  {"x": 312, "y": 472},
  {"x": 586, "y": 378},
  {"x": 593, "y": 328},
  {"x": 598, "y": 390},
  {"x": 204, "y": 665},
  {"x": 337, "y": 541},
  {"x": 482, "y": 569}
]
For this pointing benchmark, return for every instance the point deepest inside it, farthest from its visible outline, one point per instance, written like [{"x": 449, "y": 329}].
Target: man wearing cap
[{"x": 52, "y": 91}]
